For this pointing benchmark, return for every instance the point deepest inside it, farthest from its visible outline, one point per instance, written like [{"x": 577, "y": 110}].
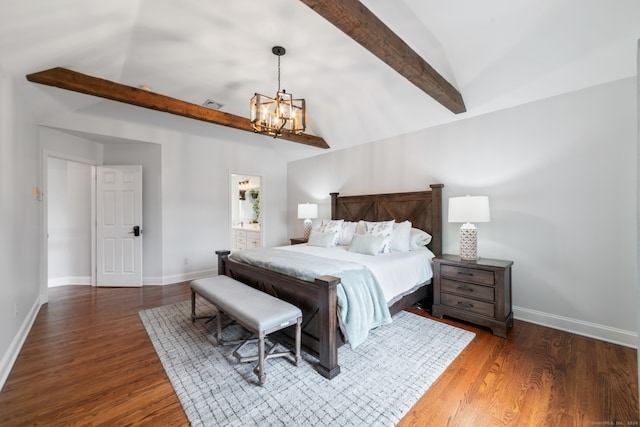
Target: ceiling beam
[
  {"x": 359, "y": 23},
  {"x": 72, "y": 80}
]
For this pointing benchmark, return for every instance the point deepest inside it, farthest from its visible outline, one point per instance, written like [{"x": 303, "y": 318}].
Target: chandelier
[{"x": 282, "y": 114}]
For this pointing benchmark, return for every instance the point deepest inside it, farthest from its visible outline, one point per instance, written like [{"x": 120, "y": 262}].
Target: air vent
[{"x": 210, "y": 103}]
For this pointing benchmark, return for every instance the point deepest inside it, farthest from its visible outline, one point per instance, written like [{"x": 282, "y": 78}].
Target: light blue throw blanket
[{"x": 361, "y": 303}]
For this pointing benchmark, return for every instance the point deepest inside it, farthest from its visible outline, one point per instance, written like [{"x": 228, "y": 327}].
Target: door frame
[
  {"x": 44, "y": 194},
  {"x": 231, "y": 195}
]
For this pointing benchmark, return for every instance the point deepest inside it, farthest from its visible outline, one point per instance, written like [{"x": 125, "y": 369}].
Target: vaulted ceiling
[{"x": 496, "y": 53}]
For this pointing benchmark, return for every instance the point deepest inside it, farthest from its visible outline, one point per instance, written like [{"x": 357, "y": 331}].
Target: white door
[{"x": 119, "y": 225}]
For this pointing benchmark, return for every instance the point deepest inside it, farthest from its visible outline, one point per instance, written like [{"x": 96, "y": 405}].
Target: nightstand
[
  {"x": 298, "y": 240},
  {"x": 476, "y": 291}
]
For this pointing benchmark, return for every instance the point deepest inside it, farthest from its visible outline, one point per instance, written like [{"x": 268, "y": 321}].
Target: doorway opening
[
  {"x": 246, "y": 201},
  {"x": 69, "y": 233}
]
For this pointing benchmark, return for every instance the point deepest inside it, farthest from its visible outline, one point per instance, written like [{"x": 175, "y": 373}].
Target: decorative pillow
[
  {"x": 382, "y": 228},
  {"x": 367, "y": 244},
  {"x": 401, "y": 236},
  {"x": 325, "y": 240},
  {"x": 332, "y": 226},
  {"x": 347, "y": 232},
  {"x": 418, "y": 239}
]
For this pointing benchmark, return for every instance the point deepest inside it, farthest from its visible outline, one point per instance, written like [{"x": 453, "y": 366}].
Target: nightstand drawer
[
  {"x": 468, "y": 274},
  {"x": 468, "y": 304},
  {"x": 467, "y": 289}
]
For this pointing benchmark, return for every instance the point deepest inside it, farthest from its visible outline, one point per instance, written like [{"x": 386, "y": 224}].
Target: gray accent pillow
[{"x": 325, "y": 240}]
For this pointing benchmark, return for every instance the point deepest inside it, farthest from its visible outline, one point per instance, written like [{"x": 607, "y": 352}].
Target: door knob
[{"x": 136, "y": 231}]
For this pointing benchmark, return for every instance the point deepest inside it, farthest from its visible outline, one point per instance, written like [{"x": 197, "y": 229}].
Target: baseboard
[
  {"x": 146, "y": 281},
  {"x": 580, "y": 327},
  {"x": 152, "y": 281},
  {"x": 178, "y": 278},
  {"x": 10, "y": 356},
  {"x": 64, "y": 281}
]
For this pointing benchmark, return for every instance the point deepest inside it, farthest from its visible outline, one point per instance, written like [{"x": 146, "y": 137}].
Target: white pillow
[
  {"x": 347, "y": 232},
  {"x": 325, "y": 240},
  {"x": 418, "y": 238},
  {"x": 401, "y": 236},
  {"x": 382, "y": 228},
  {"x": 367, "y": 244},
  {"x": 332, "y": 226}
]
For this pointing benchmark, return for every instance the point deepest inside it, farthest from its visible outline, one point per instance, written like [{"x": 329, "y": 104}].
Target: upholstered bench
[{"x": 257, "y": 311}]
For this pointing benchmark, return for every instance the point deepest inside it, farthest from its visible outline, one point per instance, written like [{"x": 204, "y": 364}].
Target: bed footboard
[{"x": 317, "y": 300}]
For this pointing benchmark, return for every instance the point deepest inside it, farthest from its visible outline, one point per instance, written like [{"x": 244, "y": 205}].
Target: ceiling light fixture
[{"x": 282, "y": 114}]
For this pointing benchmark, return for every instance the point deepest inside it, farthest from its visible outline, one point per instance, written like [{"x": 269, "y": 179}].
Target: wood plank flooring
[{"x": 89, "y": 361}]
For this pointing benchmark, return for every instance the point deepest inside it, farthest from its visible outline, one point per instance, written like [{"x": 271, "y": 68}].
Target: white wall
[
  {"x": 561, "y": 175},
  {"x": 80, "y": 226},
  {"x": 19, "y": 221},
  {"x": 57, "y": 221},
  {"x": 196, "y": 200},
  {"x": 62, "y": 145}
]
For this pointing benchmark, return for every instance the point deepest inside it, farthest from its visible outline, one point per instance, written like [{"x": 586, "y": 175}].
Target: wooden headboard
[{"x": 422, "y": 208}]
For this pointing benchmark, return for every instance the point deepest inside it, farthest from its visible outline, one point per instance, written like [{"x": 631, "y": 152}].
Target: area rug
[{"x": 379, "y": 382}]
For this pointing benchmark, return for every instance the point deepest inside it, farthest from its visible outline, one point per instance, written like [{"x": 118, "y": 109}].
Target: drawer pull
[
  {"x": 460, "y": 288},
  {"x": 465, "y": 304},
  {"x": 462, "y": 273}
]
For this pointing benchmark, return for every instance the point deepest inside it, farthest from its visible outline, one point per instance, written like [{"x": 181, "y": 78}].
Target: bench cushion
[{"x": 254, "y": 308}]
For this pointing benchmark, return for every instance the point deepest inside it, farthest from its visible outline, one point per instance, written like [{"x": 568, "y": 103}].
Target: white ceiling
[{"x": 498, "y": 53}]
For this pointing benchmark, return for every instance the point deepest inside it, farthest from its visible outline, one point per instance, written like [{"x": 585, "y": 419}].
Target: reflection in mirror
[{"x": 246, "y": 215}]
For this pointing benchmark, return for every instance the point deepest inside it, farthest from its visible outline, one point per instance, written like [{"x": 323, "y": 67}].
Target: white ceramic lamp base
[
  {"x": 307, "y": 228},
  {"x": 468, "y": 242}
]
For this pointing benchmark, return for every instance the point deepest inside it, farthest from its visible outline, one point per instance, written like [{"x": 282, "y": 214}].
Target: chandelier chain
[{"x": 278, "y": 73}]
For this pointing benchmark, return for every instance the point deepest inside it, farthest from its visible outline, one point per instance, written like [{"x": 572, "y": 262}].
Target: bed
[{"x": 318, "y": 298}]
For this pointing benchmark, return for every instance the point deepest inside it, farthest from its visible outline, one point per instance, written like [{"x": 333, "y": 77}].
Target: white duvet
[{"x": 398, "y": 273}]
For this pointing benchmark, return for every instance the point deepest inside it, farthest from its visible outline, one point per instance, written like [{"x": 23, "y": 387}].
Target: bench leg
[
  {"x": 219, "y": 327},
  {"x": 193, "y": 307},
  {"x": 193, "y": 310},
  {"x": 262, "y": 376},
  {"x": 298, "y": 339}
]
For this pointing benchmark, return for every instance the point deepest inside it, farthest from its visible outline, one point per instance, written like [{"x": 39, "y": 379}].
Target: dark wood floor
[{"x": 89, "y": 361}]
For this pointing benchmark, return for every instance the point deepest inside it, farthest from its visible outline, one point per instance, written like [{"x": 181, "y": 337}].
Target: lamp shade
[
  {"x": 469, "y": 209},
  {"x": 307, "y": 210}
]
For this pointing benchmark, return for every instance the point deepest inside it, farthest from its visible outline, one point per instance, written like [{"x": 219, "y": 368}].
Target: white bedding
[{"x": 398, "y": 272}]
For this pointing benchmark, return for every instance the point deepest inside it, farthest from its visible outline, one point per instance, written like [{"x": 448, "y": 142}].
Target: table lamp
[
  {"x": 469, "y": 209},
  {"x": 307, "y": 211}
]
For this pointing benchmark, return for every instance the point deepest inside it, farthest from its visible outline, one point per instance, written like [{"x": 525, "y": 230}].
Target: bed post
[
  {"x": 327, "y": 312},
  {"x": 334, "y": 205},
  {"x": 222, "y": 258},
  {"x": 436, "y": 218}
]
